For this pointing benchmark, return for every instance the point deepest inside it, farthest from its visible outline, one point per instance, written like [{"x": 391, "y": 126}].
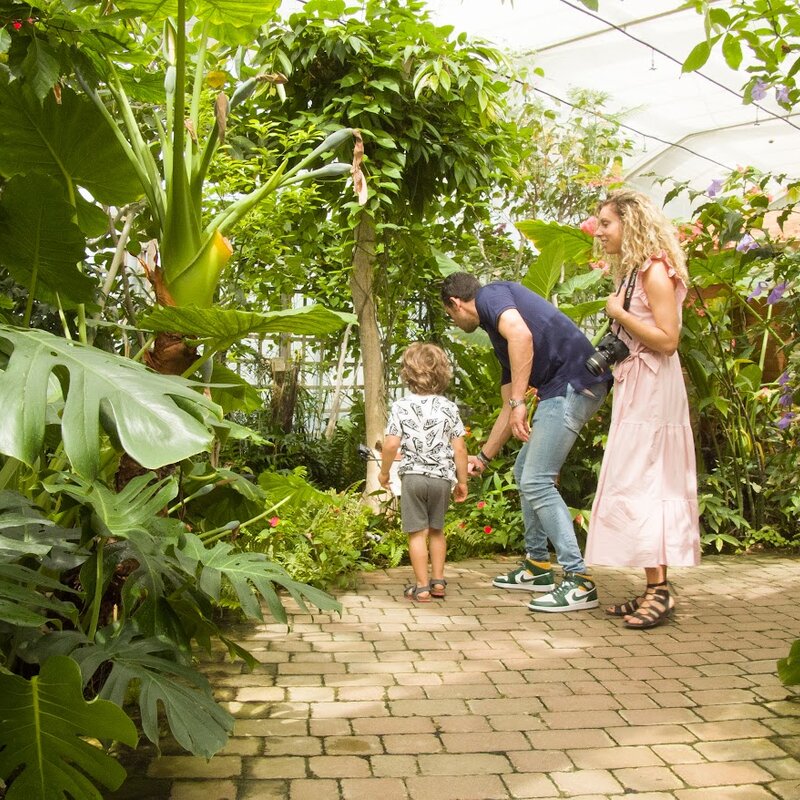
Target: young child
[{"x": 428, "y": 430}]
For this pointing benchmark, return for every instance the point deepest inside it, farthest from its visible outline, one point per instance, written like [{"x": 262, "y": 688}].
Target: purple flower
[
  {"x": 759, "y": 91},
  {"x": 785, "y": 399},
  {"x": 714, "y": 188},
  {"x": 746, "y": 243},
  {"x": 782, "y": 95},
  {"x": 786, "y": 420},
  {"x": 758, "y": 291},
  {"x": 776, "y": 293},
  {"x": 784, "y": 379}
]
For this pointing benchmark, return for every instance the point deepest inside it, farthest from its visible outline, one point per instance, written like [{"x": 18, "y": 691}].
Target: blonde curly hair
[
  {"x": 646, "y": 232},
  {"x": 425, "y": 368}
]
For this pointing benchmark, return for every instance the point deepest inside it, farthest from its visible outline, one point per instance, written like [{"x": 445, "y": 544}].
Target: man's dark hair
[{"x": 461, "y": 285}]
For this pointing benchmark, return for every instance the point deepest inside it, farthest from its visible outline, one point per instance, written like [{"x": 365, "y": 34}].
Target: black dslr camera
[{"x": 610, "y": 350}]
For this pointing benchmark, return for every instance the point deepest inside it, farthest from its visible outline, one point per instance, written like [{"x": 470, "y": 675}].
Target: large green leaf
[
  {"x": 293, "y": 489},
  {"x": 70, "y": 141},
  {"x": 232, "y": 392},
  {"x": 246, "y": 572},
  {"x": 40, "y": 244},
  {"x": 545, "y": 272},
  {"x": 156, "y": 419},
  {"x": 219, "y": 328},
  {"x": 198, "y": 724},
  {"x": 22, "y": 602},
  {"x": 132, "y": 519},
  {"x": 237, "y": 13},
  {"x": 44, "y": 724},
  {"x": 577, "y": 245}
]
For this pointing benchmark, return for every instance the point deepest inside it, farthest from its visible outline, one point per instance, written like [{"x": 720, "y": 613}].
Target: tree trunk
[{"x": 370, "y": 340}]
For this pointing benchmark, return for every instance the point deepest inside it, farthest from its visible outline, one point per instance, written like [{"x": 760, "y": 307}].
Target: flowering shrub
[{"x": 739, "y": 354}]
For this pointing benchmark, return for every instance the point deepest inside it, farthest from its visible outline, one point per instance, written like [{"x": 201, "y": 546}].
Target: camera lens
[{"x": 596, "y": 364}]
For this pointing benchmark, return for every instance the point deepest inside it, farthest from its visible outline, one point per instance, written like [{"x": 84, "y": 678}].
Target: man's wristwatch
[
  {"x": 483, "y": 458},
  {"x": 514, "y": 403}
]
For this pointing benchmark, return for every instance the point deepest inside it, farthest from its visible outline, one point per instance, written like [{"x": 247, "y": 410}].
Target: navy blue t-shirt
[{"x": 560, "y": 349}]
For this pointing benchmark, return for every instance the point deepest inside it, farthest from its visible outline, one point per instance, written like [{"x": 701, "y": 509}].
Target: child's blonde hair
[
  {"x": 646, "y": 232},
  {"x": 425, "y": 368}
]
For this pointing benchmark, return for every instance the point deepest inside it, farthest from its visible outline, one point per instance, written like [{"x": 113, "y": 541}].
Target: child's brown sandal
[{"x": 437, "y": 587}]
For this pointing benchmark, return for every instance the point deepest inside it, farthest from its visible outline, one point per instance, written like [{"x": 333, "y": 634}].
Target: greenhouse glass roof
[{"x": 692, "y": 127}]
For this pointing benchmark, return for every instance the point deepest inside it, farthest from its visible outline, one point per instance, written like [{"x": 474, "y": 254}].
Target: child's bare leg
[
  {"x": 437, "y": 545},
  {"x": 418, "y": 554}
]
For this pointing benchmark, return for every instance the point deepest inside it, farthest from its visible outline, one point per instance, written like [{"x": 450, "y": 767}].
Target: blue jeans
[{"x": 556, "y": 425}]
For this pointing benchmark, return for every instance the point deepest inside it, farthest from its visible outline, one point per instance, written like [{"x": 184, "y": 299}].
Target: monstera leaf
[
  {"x": 44, "y": 724},
  {"x": 156, "y": 419},
  {"x": 198, "y": 724},
  {"x": 246, "y": 572}
]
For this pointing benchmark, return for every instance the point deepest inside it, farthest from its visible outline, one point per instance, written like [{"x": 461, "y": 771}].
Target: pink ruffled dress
[{"x": 645, "y": 510}]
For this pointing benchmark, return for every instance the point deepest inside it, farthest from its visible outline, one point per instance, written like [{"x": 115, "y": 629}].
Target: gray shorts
[{"x": 423, "y": 502}]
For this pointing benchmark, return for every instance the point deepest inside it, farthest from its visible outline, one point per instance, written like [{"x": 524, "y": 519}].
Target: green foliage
[
  {"x": 322, "y": 544},
  {"x": 766, "y": 32},
  {"x": 737, "y": 348},
  {"x": 156, "y": 419},
  {"x": 490, "y": 520},
  {"x": 44, "y": 723}
]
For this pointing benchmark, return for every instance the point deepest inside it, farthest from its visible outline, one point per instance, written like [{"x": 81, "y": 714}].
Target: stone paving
[{"x": 476, "y": 698}]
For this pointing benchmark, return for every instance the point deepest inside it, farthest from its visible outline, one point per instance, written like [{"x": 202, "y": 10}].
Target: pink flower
[
  {"x": 601, "y": 265},
  {"x": 273, "y": 523},
  {"x": 487, "y": 530},
  {"x": 480, "y": 504},
  {"x": 579, "y": 519},
  {"x": 589, "y": 226}
]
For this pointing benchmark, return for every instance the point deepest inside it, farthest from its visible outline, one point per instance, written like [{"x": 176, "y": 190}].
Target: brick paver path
[{"x": 476, "y": 698}]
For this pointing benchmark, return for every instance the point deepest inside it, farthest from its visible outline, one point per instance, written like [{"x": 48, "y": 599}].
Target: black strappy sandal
[
  {"x": 437, "y": 587},
  {"x": 628, "y": 608},
  {"x": 414, "y": 592},
  {"x": 653, "y": 610}
]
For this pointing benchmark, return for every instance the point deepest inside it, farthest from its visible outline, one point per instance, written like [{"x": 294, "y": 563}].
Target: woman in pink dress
[{"x": 645, "y": 511}]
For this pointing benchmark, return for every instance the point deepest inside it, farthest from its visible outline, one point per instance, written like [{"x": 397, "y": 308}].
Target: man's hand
[
  {"x": 460, "y": 492},
  {"x": 474, "y": 466},
  {"x": 518, "y": 420},
  {"x": 383, "y": 479}
]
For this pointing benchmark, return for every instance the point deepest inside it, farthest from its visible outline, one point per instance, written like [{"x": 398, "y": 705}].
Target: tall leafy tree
[{"x": 431, "y": 109}]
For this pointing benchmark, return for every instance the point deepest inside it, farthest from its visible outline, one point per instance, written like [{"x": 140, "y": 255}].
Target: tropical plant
[{"x": 430, "y": 108}]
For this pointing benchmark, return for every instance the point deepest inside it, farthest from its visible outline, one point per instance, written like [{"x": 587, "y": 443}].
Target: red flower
[
  {"x": 16, "y": 25},
  {"x": 273, "y": 523},
  {"x": 462, "y": 524},
  {"x": 487, "y": 530},
  {"x": 480, "y": 504},
  {"x": 579, "y": 519}
]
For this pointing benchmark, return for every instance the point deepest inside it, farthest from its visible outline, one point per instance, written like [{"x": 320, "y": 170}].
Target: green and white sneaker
[
  {"x": 528, "y": 577},
  {"x": 574, "y": 594}
]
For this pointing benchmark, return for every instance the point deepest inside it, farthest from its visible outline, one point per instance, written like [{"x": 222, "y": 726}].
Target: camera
[{"x": 610, "y": 349}]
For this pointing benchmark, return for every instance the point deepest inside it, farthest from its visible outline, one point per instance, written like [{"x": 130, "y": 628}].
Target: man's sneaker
[
  {"x": 574, "y": 594},
  {"x": 527, "y": 577}
]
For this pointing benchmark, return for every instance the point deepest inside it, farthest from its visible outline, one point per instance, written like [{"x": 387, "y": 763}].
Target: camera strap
[
  {"x": 628, "y": 293},
  {"x": 629, "y": 288}
]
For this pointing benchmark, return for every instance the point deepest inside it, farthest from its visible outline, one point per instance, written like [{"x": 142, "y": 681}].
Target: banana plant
[{"x": 116, "y": 138}]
